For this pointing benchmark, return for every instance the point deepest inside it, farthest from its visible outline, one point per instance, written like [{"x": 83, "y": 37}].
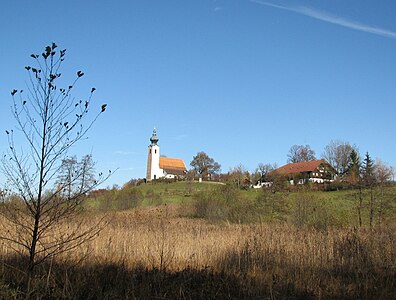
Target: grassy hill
[{"x": 224, "y": 203}]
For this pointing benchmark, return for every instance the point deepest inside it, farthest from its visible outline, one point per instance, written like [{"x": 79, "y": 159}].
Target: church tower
[{"x": 153, "y": 161}]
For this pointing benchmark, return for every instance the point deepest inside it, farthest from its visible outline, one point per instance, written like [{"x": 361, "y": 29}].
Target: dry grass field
[{"x": 153, "y": 253}]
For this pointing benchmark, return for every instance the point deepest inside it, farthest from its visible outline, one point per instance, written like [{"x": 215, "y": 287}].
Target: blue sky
[{"x": 241, "y": 80}]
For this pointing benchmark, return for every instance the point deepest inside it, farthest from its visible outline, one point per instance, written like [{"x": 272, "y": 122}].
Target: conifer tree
[
  {"x": 368, "y": 170},
  {"x": 354, "y": 178},
  {"x": 368, "y": 178}
]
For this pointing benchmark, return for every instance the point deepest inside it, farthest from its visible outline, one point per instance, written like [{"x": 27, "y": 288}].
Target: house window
[
  {"x": 155, "y": 151},
  {"x": 150, "y": 151}
]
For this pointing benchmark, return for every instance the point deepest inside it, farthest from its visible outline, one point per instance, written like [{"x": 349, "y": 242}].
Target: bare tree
[
  {"x": 204, "y": 165},
  {"x": 76, "y": 177},
  {"x": 300, "y": 153},
  {"x": 383, "y": 173},
  {"x": 51, "y": 122},
  {"x": 86, "y": 177},
  {"x": 337, "y": 153},
  {"x": 239, "y": 176},
  {"x": 264, "y": 170}
]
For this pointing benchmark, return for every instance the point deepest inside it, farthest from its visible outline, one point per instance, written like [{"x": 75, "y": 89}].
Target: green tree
[
  {"x": 368, "y": 175},
  {"x": 51, "y": 121},
  {"x": 354, "y": 168},
  {"x": 368, "y": 178},
  {"x": 204, "y": 166},
  {"x": 354, "y": 178}
]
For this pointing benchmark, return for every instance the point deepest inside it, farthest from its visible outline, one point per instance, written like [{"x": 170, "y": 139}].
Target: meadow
[{"x": 206, "y": 241}]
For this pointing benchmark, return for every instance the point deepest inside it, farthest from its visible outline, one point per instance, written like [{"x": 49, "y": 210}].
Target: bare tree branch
[{"x": 50, "y": 122}]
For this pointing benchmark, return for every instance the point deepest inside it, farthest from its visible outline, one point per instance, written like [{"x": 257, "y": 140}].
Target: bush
[
  {"x": 128, "y": 198},
  {"x": 272, "y": 206},
  {"x": 123, "y": 199},
  {"x": 314, "y": 211},
  {"x": 224, "y": 204},
  {"x": 153, "y": 198}
]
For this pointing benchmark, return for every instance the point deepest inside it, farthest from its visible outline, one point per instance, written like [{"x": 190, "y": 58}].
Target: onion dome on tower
[{"x": 154, "y": 139}]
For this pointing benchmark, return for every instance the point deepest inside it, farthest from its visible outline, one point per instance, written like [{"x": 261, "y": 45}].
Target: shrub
[
  {"x": 272, "y": 206},
  {"x": 314, "y": 211},
  {"x": 153, "y": 198},
  {"x": 128, "y": 198},
  {"x": 224, "y": 204}
]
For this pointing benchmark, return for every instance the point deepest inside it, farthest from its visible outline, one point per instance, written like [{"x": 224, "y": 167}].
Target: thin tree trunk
[
  {"x": 381, "y": 205},
  {"x": 371, "y": 206},
  {"x": 360, "y": 206},
  {"x": 37, "y": 215}
]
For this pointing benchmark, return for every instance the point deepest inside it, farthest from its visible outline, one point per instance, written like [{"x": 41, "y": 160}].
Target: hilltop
[{"x": 219, "y": 202}]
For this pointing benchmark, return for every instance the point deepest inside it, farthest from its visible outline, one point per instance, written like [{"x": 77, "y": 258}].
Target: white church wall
[{"x": 156, "y": 172}]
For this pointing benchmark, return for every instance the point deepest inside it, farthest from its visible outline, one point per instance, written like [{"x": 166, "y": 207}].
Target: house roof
[
  {"x": 301, "y": 167},
  {"x": 172, "y": 165}
]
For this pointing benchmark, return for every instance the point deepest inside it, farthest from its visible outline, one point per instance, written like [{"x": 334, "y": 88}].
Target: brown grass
[{"x": 152, "y": 253}]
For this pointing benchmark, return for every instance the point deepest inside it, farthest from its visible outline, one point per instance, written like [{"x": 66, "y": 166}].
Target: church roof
[
  {"x": 173, "y": 166},
  {"x": 301, "y": 167}
]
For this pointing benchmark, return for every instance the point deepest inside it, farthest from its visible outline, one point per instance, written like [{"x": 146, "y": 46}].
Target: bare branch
[{"x": 50, "y": 121}]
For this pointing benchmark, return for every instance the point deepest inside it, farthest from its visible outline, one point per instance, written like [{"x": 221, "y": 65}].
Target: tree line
[{"x": 345, "y": 159}]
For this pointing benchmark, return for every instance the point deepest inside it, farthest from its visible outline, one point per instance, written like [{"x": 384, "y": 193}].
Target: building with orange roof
[
  {"x": 317, "y": 171},
  {"x": 160, "y": 166}
]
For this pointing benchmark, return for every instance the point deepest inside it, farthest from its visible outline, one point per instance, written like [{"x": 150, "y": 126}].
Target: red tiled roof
[
  {"x": 173, "y": 166},
  {"x": 300, "y": 167}
]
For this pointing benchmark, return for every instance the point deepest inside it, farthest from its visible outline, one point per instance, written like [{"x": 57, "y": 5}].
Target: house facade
[
  {"x": 315, "y": 171},
  {"x": 162, "y": 167}
]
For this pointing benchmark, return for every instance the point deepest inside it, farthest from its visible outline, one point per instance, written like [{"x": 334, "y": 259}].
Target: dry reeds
[{"x": 148, "y": 253}]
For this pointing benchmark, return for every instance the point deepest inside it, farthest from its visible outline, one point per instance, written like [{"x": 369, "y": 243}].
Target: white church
[{"x": 160, "y": 166}]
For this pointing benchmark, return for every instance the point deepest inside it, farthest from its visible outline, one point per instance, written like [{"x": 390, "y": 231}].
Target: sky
[{"x": 242, "y": 80}]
